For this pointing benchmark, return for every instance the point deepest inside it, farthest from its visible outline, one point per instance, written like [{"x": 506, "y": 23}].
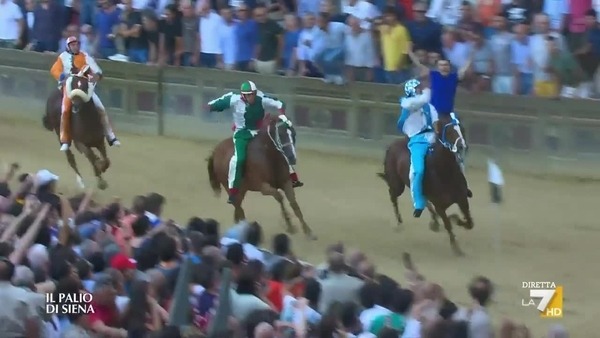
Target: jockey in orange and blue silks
[
  {"x": 68, "y": 60},
  {"x": 416, "y": 122}
]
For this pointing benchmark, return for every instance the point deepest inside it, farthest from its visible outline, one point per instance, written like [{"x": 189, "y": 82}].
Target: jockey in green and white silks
[
  {"x": 416, "y": 121},
  {"x": 248, "y": 114}
]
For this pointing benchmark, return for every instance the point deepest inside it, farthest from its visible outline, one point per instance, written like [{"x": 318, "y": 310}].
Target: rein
[{"x": 276, "y": 140}]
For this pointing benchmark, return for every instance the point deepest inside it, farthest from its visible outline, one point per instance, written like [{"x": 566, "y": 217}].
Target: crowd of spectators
[
  {"x": 150, "y": 277},
  {"x": 547, "y": 48}
]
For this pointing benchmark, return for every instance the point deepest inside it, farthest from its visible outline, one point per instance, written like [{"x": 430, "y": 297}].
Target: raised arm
[
  {"x": 424, "y": 70},
  {"x": 223, "y": 102},
  {"x": 461, "y": 72}
]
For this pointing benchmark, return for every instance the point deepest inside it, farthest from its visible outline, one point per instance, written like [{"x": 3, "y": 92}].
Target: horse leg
[
  {"x": 291, "y": 197},
  {"x": 467, "y": 222},
  {"x": 94, "y": 161},
  {"x": 268, "y": 190},
  {"x": 73, "y": 164},
  {"x": 434, "y": 224},
  {"x": 238, "y": 212},
  {"x": 394, "y": 194},
  {"x": 104, "y": 164},
  {"x": 448, "y": 225}
]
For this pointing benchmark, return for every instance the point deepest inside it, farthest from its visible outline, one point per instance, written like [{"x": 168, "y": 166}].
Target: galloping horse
[
  {"x": 85, "y": 124},
  {"x": 444, "y": 183},
  {"x": 266, "y": 170}
]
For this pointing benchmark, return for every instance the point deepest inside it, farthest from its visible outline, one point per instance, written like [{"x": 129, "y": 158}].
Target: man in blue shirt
[{"x": 443, "y": 82}]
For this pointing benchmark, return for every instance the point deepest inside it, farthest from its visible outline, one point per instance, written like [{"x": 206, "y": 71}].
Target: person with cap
[
  {"x": 45, "y": 183},
  {"x": 248, "y": 113},
  {"x": 127, "y": 266},
  {"x": 416, "y": 121},
  {"x": 74, "y": 59}
]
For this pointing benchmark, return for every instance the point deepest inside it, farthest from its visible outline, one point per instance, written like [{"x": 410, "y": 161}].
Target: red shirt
[
  {"x": 275, "y": 295},
  {"x": 109, "y": 315}
]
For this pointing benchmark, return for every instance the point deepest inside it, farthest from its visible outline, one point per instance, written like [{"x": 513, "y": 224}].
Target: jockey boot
[
  {"x": 232, "y": 195},
  {"x": 417, "y": 213},
  {"x": 295, "y": 181},
  {"x": 64, "y": 147},
  {"x": 113, "y": 141},
  {"x": 469, "y": 193},
  {"x": 111, "y": 138}
]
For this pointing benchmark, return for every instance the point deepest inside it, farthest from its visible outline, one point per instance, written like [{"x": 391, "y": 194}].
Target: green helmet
[{"x": 248, "y": 87}]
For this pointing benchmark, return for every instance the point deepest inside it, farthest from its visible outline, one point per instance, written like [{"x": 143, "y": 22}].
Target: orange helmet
[{"x": 70, "y": 40}]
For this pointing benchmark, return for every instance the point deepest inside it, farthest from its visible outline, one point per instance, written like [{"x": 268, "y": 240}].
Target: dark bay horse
[
  {"x": 86, "y": 126},
  {"x": 266, "y": 170},
  {"x": 444, "y": 184}
]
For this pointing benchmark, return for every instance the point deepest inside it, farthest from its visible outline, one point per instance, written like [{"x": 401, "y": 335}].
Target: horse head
[
  {"x": 78, "y": 87},
  {"x": 283, "y": 135},
  {"x": 450, "y": 136}
]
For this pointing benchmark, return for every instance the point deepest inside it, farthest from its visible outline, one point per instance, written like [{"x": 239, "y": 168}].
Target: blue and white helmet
[{"x": 410, "y": 87}]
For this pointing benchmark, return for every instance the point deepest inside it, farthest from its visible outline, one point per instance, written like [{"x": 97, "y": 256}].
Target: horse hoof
[
  {"x": 434, "y": 226},
  {"x": 102, "y": 184},
  {"x": 457, "y": 251}
]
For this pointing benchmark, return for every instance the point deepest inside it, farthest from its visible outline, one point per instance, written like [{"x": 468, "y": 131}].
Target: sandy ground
[{"x": 546, "y": 227}]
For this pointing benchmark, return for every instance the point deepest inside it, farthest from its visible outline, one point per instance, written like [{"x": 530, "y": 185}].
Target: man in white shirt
[
  {"x": 363, "y": 10},
  {"x": 445, "y": 12},
  {"x": 329, "y": 48},
  {"x": 211, "y": 24},
  {"x": 228, "y": 38},
  {"x": 544, "y": 85},
  {"x": 305, "y": 51},
  {"x": 11, "y": 24},
  {"x": 360, "y": 50}
]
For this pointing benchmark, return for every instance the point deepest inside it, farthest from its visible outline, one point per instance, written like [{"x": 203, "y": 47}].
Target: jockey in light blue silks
[{"x": 416, "y": 122}]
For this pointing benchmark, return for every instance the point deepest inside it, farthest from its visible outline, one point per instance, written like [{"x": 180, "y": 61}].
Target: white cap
[{"x": 44, "y": 177}]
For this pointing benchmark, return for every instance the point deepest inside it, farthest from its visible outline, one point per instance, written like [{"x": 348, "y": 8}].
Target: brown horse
[
  {"x": 444, "y": 184},
  {"x": 86, "y": 126},
  {"x": 266, "y": 170}
]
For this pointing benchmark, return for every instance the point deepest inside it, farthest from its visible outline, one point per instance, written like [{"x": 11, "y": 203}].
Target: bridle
[
  {"x": 277, "y": 139},
  {"x": 452, "y": 146}
]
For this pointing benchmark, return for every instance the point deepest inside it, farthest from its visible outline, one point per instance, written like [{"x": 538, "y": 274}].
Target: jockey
[
  {"x": 248, "y": 112},
  {"x": 416, "y": 122},
  {"x": 68, "y": 60}
]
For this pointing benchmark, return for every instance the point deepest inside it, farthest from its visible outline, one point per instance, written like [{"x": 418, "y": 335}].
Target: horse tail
[{"x": 212, "y": 176}]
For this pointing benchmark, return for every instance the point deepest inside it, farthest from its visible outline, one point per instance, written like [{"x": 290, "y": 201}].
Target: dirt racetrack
[{"x": 548, "y": 229}]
